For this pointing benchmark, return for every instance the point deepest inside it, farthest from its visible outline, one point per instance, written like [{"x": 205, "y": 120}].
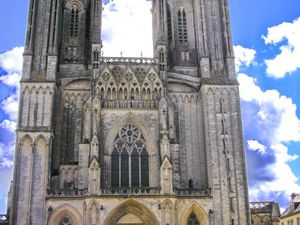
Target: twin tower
[{"x": 129, "y": 141}]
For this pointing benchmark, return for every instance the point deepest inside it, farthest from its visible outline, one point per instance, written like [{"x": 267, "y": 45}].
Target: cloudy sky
[{"x": 266, "y": 36}]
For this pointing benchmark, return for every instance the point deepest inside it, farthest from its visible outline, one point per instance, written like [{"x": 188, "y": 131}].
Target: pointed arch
[
  {"x": 76, "y": 3},
  {"x": 93, "y": 213},
  {"x": 139, "y": 123},
  {"x": 39, "y": 177},
  {"x": 65, "y": 210},
  {"x": 198, "y": 211},
  {"x": 39, "y": 139},
  {"x": 134, "y": 208},
  {"x": 150, "y": 157},
  {"x": 168, "y": 215},
  {"x": 23, "y": 177},
  {"x": 25, "y": 138}
]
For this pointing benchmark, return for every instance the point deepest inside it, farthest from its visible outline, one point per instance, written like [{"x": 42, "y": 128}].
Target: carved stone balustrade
[
  {"x": 193, "y": 192},
  {"x": 131, "y": 191},
  {"x": 66, "y": 193},
  {"x": 128, "y": 192},
  {"x": 125, "y": 60},
  {"x": 151, "y": 104}
]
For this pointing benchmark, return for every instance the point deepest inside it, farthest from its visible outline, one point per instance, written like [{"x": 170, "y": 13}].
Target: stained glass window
[
  {"x": 135, "y": 168},
  {"x": 129, "y": 159},
  {"x": 124, "y": 168},
  {"x": 193, "y": 220},
  {"x": 145, "y": 168},
  {"x": 65, "y": 221},
  {"x": 115, "y": 168}
]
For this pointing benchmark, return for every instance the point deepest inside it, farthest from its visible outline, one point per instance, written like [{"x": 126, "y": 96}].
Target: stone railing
[
  {"x": 130, "y": 191},
  {"x": 3, "y": 219},
  {"x": 112, "y": 191},
  {"x": 125, "y": 60},
  {"x": 129, "y": 104},
  {"x": 192, "y": 192},
  {"x": 66, "y": 193}
]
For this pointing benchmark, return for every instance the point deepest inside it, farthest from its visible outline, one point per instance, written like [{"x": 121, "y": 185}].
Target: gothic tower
[{"x": 118, "y": 141}]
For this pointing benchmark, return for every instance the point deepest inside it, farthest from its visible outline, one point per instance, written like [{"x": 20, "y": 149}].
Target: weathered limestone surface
[{"x": 114, "y": 140}]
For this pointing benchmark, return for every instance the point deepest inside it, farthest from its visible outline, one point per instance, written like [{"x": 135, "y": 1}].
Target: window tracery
[
  {"x": 65, "y": 221},
  {"x": 129, "y": 159},
  {"x": 193, "y": 220}
]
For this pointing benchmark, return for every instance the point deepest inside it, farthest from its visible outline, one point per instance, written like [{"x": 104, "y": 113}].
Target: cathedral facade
[{"x": 129, "y": 141}]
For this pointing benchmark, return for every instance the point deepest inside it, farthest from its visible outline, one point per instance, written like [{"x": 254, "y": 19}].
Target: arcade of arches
[{"x": 129, "y": 212}]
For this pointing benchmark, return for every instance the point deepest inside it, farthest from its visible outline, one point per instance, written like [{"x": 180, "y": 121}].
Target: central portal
[
  {"x": 131, "y": 212},
  {"x": 130, "y": 219}
]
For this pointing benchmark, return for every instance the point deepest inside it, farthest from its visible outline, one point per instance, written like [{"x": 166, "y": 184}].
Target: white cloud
[
  {"x": 6, "y": 155},
  {"x": 9, "y": 125},
  {"x": 124, "y": 30},
  {"x": 287, "y": 61},
  {"x": 11, "y": 61},
  {"x": 274, "y": 117},
  {"x": 11, "y": 79},
  {"x": 10, "y": 106},
  {"x": 243, "y": 56},
  {"x": 254, "y": 145},
  {"x": 277, "y": 114},
  {"x": 284, "y": 180}
]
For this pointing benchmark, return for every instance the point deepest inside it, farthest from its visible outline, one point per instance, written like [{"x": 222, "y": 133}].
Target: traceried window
[
  {"x": 65, "y": 221},
  {"x": 182, "y": 26},
  {"x": 193, "y": 220},
  {"x": 74, "y": 21},
  {"x": 129, "y": 159}
]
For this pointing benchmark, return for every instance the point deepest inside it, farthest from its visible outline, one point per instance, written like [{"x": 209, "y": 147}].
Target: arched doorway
[
  {"x": 130, "y": 219},
  {"x": 65, "y": 215},
  {"x": 194, "y": 214},
  {"x": 131, "y": 213}
]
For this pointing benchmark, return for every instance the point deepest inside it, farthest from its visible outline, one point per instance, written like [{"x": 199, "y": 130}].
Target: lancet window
[
  {"x": 193, "y": 220},
  {"x": 182, "y": 26},
  {"x": 129, "y": 159},
  {"x": 74, "y": 21},
  {"x": 169, "y": 23},
  {"x": 65, "y": 221}
]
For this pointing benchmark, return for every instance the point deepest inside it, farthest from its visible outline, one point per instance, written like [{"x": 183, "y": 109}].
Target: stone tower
[{"x": 114, "y": 140}]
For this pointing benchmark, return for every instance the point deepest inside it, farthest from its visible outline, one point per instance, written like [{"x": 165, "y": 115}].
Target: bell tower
[
  {"x": 197, "y": 36},
  {"x": 124, "y": 140},
  {"x": 60, "y": 36}
]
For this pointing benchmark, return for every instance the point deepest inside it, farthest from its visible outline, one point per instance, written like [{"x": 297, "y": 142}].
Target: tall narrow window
[
  {"x": 182, "y": 26},
  {"x": 145, "y": 168},
  {"x": 124, "y": 168},
  {"x": 129, "y": 159},
  {"x": 135, "y": 168},
  {"x": 169, "y": 23},
  {"x": 193, "y": 220},
  {"x": 115, "y": 168},
  {"x": 74, "y": 22}
]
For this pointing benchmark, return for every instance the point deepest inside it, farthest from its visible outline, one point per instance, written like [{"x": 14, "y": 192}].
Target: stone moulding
[{"x": 156, "y": 191}]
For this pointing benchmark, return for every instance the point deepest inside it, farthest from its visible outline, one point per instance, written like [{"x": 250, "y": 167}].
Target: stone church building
[{"x": 129, "y": 141}]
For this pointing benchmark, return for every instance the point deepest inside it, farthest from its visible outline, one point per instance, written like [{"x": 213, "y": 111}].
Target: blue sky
[{"x": 266, "y": 35}]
